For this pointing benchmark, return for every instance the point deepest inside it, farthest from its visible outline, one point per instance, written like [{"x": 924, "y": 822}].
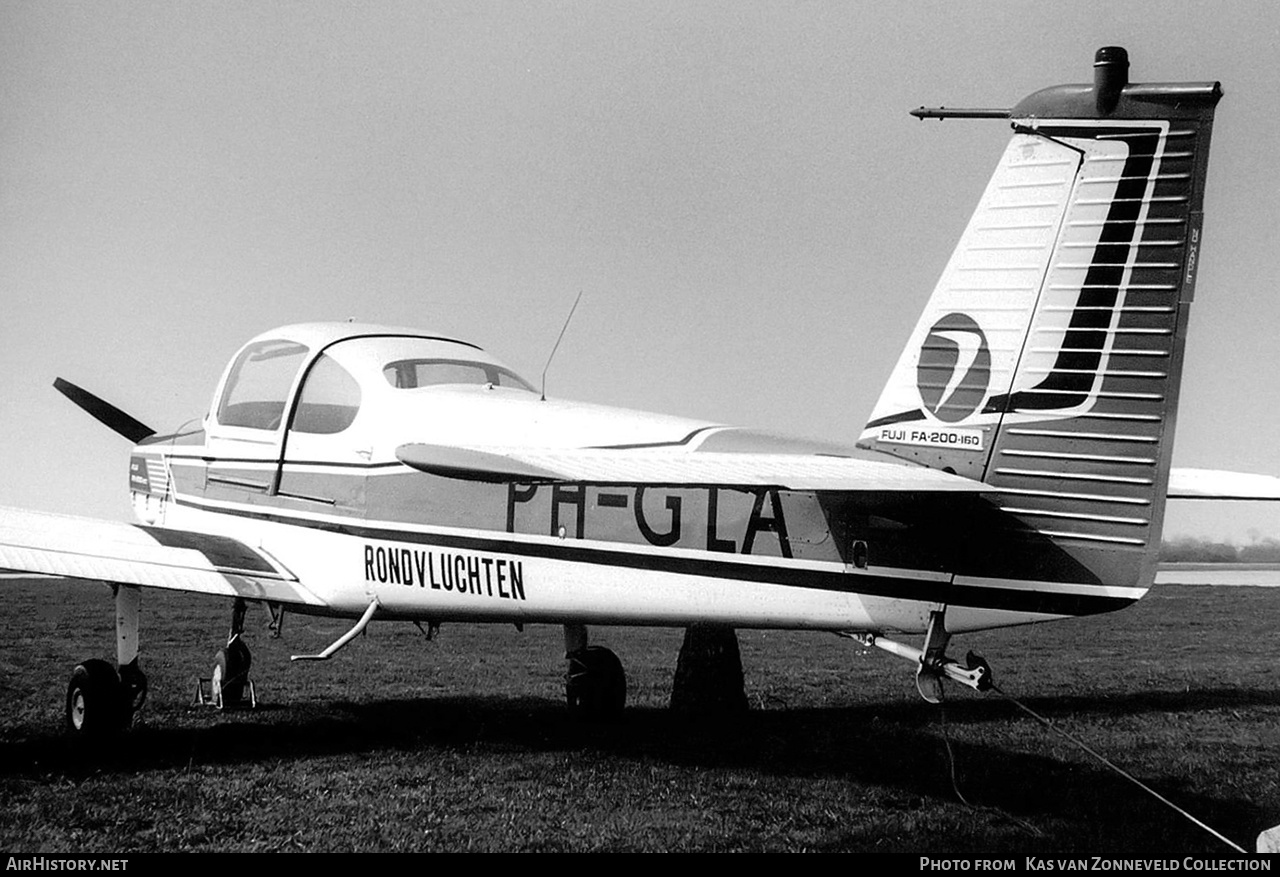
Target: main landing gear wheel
[
  {"x": 96, "y": 701},
  {"x": 596, "y": 686},
  {"x": 230, "y": 673}
]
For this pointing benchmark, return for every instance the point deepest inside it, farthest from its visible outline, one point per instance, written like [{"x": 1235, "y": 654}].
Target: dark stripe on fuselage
[{"x": 870, "y": 585}]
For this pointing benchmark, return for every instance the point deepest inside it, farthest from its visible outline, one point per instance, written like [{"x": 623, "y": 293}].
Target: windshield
[{"x": 259, "y": 383}]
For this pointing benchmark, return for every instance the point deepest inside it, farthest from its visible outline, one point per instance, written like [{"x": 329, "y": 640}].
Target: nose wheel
[
  {"x": 231, "y": 672},
  {"x": 229, "y": 682}
]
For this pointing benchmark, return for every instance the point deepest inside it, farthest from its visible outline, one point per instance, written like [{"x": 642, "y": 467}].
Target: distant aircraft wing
[
  {"x": 1221, "y": 484},
  {"x": 154, "y": 557},
  {"x": 1232, "y": 573},
  {"x": 613, "y": 466}
]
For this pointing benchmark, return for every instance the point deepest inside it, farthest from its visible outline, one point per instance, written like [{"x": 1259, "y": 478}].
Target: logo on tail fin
[{"x": 954, "y": 371}]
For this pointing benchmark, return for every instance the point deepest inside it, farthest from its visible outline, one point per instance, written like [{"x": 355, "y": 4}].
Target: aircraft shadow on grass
[{"x": 895, "y": 749}]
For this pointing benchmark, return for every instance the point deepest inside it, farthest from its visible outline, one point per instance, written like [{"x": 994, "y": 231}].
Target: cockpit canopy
[{"x": 332, "y": 369}]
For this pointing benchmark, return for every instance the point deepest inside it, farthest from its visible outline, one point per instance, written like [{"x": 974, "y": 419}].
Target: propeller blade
[{"x": 105, "y": 413}]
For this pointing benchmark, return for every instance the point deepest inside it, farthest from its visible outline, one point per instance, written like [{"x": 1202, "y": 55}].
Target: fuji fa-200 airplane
[{"x": 1015, "y": 469}]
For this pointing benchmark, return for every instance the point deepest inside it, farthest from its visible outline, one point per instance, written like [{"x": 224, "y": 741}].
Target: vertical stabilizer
[{"x": 1048, "y": 359}]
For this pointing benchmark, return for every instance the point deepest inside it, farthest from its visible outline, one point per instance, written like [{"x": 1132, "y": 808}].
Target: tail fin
[{"x": 1048, "y": 360}]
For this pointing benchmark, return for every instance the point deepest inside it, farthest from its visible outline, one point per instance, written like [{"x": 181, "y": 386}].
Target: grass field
[{"x": 462, "y": 743}]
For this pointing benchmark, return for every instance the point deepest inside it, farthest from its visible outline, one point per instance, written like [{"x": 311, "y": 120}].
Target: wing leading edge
[{"x": 178, "y": 560}]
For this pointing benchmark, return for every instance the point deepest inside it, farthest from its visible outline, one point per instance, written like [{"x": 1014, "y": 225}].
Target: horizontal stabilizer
[
  {"x": 603, "y": 466},
  {"x": 179, "y": 560},
  {"x": 1221, "y": 484}
]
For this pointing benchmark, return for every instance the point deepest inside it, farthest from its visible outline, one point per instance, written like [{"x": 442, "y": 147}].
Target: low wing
[
  {"x": 1221, "y": 484},
  {"x": 610, "y": 466},
  {"x": 155, "y": 557}
]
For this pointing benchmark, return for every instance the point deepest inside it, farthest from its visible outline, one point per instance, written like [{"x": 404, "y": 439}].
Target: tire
[
  {"x": 596, "y": 686},
  {"x": 231, "y": 673},
  {"x": 94, "y": 700}
]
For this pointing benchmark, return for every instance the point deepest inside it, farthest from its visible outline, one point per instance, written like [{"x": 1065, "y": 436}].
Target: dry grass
[{"x": 462, "y": 743}]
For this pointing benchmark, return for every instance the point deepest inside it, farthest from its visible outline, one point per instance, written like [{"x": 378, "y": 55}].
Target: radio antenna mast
[{"x": 557, "y": 345}]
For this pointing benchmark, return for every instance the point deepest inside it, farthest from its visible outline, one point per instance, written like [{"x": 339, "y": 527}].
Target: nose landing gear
[{"x": 229, "y": 680}]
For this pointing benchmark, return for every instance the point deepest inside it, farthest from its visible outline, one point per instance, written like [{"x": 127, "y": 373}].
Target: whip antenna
[{"x": 557, "y": 346}]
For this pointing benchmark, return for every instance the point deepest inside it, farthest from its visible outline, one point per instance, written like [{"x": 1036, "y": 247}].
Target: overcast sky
[{"x": 754, "y": 220}]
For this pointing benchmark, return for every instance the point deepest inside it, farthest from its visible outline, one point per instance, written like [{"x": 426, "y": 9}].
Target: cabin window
[
  {"x": 409, "y": 374},
  {"x": 330, "y": 399},
  {"x": 258, "y": 386}
]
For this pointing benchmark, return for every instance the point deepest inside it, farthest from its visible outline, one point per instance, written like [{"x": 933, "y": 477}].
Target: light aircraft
[{"x": 1014, "y": 470}]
